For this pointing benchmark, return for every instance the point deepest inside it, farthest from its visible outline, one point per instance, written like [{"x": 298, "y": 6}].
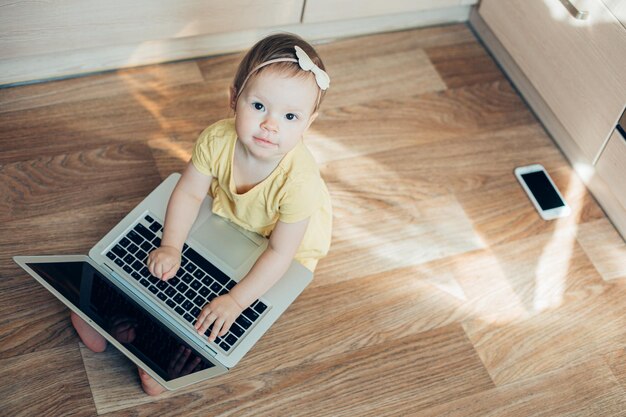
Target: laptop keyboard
[{"x": 196, "y": 283}]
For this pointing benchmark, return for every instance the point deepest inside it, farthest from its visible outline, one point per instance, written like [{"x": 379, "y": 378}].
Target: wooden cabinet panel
[
  {"x": 32, "y": 28},
  {"x": 611, "y": 167},
  {"x": 329, "y": 10},
  {"x": 577, "y": 66}
]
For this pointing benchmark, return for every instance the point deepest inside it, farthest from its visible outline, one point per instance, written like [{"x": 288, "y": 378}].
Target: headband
[{"x": 321, "y": 77}]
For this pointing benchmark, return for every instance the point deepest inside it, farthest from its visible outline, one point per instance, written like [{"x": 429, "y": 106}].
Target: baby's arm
[
  {"x": 182, "y": 211},
  {"x": 268, "y": 269}
]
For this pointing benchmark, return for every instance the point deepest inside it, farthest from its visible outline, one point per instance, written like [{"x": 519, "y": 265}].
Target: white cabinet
[
  {"x": 577, "y": 66},
  {"x": 571, "y": 72}
]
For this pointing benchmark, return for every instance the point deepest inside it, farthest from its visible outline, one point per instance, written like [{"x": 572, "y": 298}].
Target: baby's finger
[
  {"x": 207, "y": 323},
  {"x": 216, "y": 328},
  {"x": 225, "y": 328},
  {"x": 170, "y": 273}
]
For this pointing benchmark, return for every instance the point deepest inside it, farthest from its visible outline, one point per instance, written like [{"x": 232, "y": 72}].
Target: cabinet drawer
[
  {"x": 577, "y": 66},
  {"x": 611, "y": 167}
]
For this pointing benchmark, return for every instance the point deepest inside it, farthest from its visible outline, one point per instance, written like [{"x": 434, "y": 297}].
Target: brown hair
[{"x": 276, "y": 46}]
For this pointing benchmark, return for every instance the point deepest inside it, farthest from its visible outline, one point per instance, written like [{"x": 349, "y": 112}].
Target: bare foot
[
  {"x": 89, "y": 336},
  {"x": 149, "y": 384}
]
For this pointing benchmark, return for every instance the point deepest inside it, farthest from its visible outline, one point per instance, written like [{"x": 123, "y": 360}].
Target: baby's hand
[
  {"x": 222, "y": 313},
  {"x": 163, "y": 262}
]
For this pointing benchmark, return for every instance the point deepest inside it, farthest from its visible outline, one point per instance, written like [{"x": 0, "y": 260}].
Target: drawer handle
[{"x": 577, "y": 14}]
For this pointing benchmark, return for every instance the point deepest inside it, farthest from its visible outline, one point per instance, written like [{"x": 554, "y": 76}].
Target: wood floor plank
[
  {"x": 580, "y": 391},
  {"x": 586, "y": 325},
  {"x": 501, "y": 212},
  {"x": 605, "y": 247},
  {"x": 152, "y": 77},
  {"x": 617, "y": 362},
  {"x": 340, "y": 133},
  {"x": 33, "y": 320},
  {"x": 49, "y": 382},
  {"x": 180, "y": 111},
  {"x": 464, "y": 64},
  {"x": 63, "y": 182},
  {"x": 363, "y": 382},
  {"x": 407, "y": 234}
]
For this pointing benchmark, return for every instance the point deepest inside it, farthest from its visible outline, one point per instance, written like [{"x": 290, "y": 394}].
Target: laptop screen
[{"x": 122, "y": 318}]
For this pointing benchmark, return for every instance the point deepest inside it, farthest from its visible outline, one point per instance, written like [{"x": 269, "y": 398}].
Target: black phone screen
[{"x": 542, "y": 190}]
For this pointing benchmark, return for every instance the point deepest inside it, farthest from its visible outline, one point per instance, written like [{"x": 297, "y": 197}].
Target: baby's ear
[{"x": 233, "y": 97}]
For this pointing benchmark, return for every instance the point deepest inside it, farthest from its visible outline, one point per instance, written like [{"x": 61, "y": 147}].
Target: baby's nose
[{"x": 270, "y": 124}]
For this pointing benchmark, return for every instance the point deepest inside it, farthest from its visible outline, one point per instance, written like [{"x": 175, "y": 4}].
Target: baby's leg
[
  {"x": 91, "y": 338},
  {"x": 149, "y": 384}
]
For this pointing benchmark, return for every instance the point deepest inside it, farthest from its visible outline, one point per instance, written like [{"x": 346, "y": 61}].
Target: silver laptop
[{"x": 151, "y": 321}]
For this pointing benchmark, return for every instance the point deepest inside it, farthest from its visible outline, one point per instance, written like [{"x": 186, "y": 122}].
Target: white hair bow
[{"x": 322, "y": 79}]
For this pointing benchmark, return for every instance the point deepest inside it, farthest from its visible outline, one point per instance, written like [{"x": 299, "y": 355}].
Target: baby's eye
[
  {"x": 291, "y": 116},
  {"x": 258, "y": 106}
]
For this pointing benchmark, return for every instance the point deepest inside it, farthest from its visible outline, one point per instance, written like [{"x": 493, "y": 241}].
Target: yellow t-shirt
[{"x": 293, "y": 192}]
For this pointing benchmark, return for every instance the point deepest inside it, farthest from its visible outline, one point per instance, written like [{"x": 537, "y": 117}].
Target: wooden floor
[{"x": 444, "y": 293}]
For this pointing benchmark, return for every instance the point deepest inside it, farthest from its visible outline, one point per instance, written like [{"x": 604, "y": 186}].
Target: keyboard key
[
  {"x": 187, "y": 278},
  {"x": 119, "y": 251},
  {"x": 147, "y": 246},
  {"x": 230, "y": 284},
  {"x": 170, "y": 303},
  {"x": 185, "y": 247},
  {"x": 144, "y": 231},
  {"x": 223, "y": 291},
  {"x": 127, "y": 269},
  {"x": 187, "y": 305},
  {"x": 195, "y": 284},
  {"x": 216, "y": 287},
  {"x": 179, "y": 298},
  {"x": 170, "y": 291},
  {"x": 190, "y": 267},
  {"x": 204, "y": 291},
  {"x": 119, "y": 262},
  {"x": 157, "y": 241},
  {"x": 250, "y": 314},
  {"x": 207, "y": 266},
  {"x": 137, "y": 266},
  {"x": 184, "y": 261},
  {"x": 132, "y": 235},
  {"x": 135, "y": 275},
  {"x": 162, "y": 296},
  {"x": 162, "y": 285},
  {"x": 191, "y": 294},
  {"x": 150, "y": 219},
  {"x": 236, "y": 330},
  {"x": 145, "y": 283},
  {"x": 243, "y": 322},
  {"x": 182, "y": 287},
  {"x": 260, "y": 307},
  {"x": 145, "y": 272},
  {"x": 153, "y": 280},
  {"x": 129, "y": 259},
  {"x": 124, "y": 242},
  {"x": 195, "y": 311},
  {"x": 155, "y": 227},
  {"x": 173, "y": 281},
  {"x": 231, "y": 339},
  {"x": 153, "y": 289},
  {"x": 132, "y": 248},
  {"x": 200, "y": 301},
  {"x": 191, "y": 319},
  {"x": 179, "y": 310},
  {"x": 198, "y": 274},
  {"x": 225, "y": 346},
  {"x": 141, "y": 255},
  {"x": 111, "y": 256},
  {"x": 208, "y": 281}
]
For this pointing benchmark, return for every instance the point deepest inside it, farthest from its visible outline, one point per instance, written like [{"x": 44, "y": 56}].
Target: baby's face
[{"x": 273, "y": 112}]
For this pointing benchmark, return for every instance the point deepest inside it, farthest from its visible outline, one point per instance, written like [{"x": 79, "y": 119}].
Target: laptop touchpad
[{"x": 225, "y": 241}]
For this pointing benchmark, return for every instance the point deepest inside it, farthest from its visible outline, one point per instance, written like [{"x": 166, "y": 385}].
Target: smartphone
[{"x": 542, "y": 192}]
